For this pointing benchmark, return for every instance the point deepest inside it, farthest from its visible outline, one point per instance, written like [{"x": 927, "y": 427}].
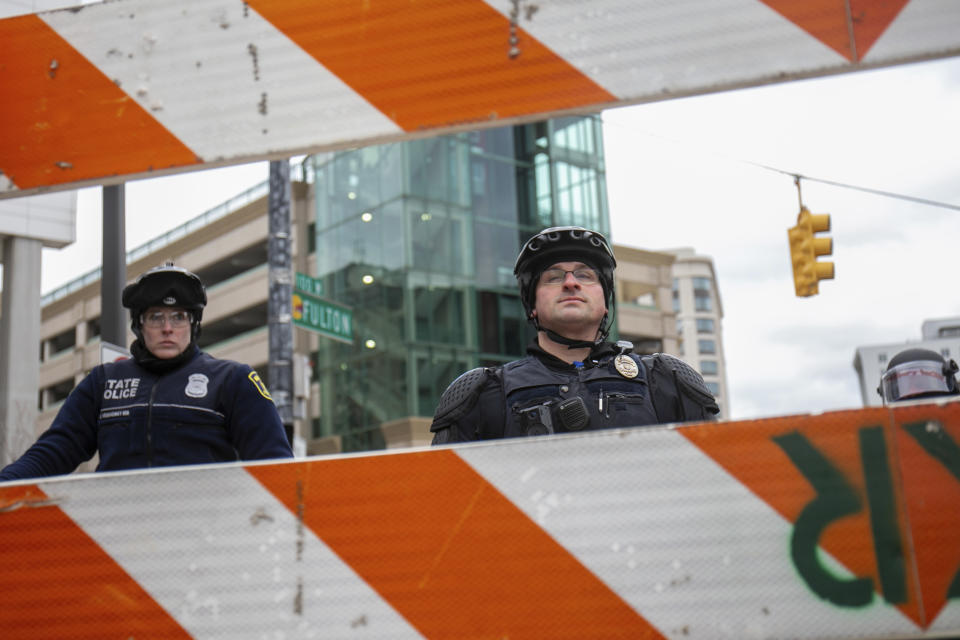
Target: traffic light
[{"x": 804, "y": 249}]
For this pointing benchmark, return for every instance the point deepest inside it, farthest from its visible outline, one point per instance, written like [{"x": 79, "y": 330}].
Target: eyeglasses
[
  {"x": 583, "y": 275},
  {"x": 157, "y": 319}
]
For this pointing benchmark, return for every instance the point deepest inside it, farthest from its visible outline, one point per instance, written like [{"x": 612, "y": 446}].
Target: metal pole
[
  {"x": 280, "y": 274},
  {"x": 19, "y": 342},
  {"x": 113, "y": 320}
]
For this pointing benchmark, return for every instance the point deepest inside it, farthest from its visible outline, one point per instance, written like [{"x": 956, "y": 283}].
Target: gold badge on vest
[{"x": 626, "y": 366}]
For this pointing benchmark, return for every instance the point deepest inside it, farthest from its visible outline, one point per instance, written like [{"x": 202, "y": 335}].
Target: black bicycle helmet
[
  {"x": 564, "y": 244},
  {"x": 165, "y": 286}
]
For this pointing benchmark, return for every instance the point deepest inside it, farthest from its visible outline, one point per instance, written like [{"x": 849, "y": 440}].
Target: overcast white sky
[
  {"x": 677, "y": 176},
  {"x": 683, "y": 173}
]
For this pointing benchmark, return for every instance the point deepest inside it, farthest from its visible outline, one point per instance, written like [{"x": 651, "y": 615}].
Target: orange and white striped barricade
[
  {"x": 108, "y": 92},
  {"x": 838, "y": 525}
]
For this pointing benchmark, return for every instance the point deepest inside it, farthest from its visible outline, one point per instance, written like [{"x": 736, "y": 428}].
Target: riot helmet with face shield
[{"x": 918, "y": 373}]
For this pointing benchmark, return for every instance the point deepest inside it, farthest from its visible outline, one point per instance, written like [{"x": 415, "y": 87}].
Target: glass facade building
[{"x": 419, "y": 239}]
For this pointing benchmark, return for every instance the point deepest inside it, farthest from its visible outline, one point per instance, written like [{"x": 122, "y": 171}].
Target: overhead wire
[
  {"x": 844, "y": 185},
  {"x": 800, "y": 176}
]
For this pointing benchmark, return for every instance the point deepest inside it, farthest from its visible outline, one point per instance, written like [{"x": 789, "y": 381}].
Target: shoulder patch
[{"x": 254, "y": 377}]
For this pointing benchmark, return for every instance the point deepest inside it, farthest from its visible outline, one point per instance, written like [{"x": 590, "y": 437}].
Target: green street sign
[
  {"x": 308, "y": 284},
  {"x": 326, "y": 318}
]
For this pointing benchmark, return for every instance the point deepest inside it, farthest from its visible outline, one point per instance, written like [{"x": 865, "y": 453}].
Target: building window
[
  {"x": 881, "y": 358},
  {"x": 705, "y": 325},
  {"x": 707, "y": 346},
  {"x": 93, "y": 329},
  {"x": 676, "y": 296},
  {"x": 708, "y": 367},
  {"x": 714, "y": 388},
  {"x": 945, "y": 352},
  {"x": 246, "y": 320},
  {"x": 701, "y": 294},
  {"x": 439, "y": 315},
  {"x": 56, "y": 393},
  {"x": 645, "y": 300},
  {"x": 503, "y": 329},
  {"x": 62, "y": 341}
]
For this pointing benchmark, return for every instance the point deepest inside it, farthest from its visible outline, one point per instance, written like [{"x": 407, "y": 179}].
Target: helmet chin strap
[{"x": 570, "y": 343}]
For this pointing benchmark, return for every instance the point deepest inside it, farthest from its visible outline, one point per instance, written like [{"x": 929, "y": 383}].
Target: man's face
[
  {"x": 166, "y": 331},
  {"x": 567, "y": 304}
]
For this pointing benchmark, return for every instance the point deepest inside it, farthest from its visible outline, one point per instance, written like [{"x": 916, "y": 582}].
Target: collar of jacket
[
  {"x": 597, "y": 353},
  {"x": 159, "y": 366}
]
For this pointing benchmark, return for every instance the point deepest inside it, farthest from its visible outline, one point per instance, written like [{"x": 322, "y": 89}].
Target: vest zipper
[
  {"x": 153, "y": 391},
  {"x": 627, "y": 397}
]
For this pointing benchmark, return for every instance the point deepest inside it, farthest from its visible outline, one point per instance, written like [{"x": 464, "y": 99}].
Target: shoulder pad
[
  {"x": 690, "y": 382},
  {"x": 459, "y": 397}
]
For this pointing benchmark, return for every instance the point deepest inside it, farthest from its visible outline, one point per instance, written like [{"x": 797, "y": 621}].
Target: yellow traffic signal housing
[{"x": 804, "y": 249}]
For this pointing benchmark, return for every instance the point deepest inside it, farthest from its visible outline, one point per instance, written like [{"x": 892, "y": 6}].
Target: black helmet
[
  {"x": 917, "y": 373},
  {"x": 563, "y": 244},
  {"x": 165, "y": 286}
]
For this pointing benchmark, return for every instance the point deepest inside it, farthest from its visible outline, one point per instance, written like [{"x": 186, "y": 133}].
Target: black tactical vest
[{"x": 540, "y": 400}]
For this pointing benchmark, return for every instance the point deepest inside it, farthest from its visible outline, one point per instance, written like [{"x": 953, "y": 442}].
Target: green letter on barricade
[
  {"x": 887, "y": 544},
  {"x": 937, "y": 442},
  {"x": 835, "y": 499}
]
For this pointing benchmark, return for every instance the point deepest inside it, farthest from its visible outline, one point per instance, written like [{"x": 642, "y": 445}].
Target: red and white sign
[
  {"x": 840, "y": 525},
  {"x": 107, "y": 92}
]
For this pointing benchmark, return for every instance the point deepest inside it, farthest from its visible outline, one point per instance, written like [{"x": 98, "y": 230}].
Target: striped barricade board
[
  {"x": 107, "y": 92},
  {"x": 838, "y": 525}
]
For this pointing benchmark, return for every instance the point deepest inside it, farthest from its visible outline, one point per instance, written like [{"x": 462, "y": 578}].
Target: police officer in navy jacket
[
  {"x": 572, "y": 379},
  {"x": 170, "y": 404}
]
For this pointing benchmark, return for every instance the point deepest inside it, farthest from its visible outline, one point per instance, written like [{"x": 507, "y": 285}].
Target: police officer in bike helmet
[{"x": 572, "y": 378}]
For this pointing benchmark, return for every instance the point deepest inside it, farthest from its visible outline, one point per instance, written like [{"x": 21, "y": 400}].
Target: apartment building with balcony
[{"x": 697, "y": 303}]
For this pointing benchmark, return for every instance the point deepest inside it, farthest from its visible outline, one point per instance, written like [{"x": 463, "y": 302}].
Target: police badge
[
  {"x": 197, "y": 385},
  {"x": 626, "y": 366}
]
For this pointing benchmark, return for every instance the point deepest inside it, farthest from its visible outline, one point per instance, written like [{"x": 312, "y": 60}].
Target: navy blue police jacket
[{"x": 207, "y": 410}]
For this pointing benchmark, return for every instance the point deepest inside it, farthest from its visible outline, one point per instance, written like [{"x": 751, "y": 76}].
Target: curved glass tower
[{"x": 419, "y": 239}]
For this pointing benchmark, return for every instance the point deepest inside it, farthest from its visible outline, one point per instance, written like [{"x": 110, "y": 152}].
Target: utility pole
[
  {"x": 113, "y": 321},
  {"x": 280, "y": 277},
  {"x": 19, "y": 339}
]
